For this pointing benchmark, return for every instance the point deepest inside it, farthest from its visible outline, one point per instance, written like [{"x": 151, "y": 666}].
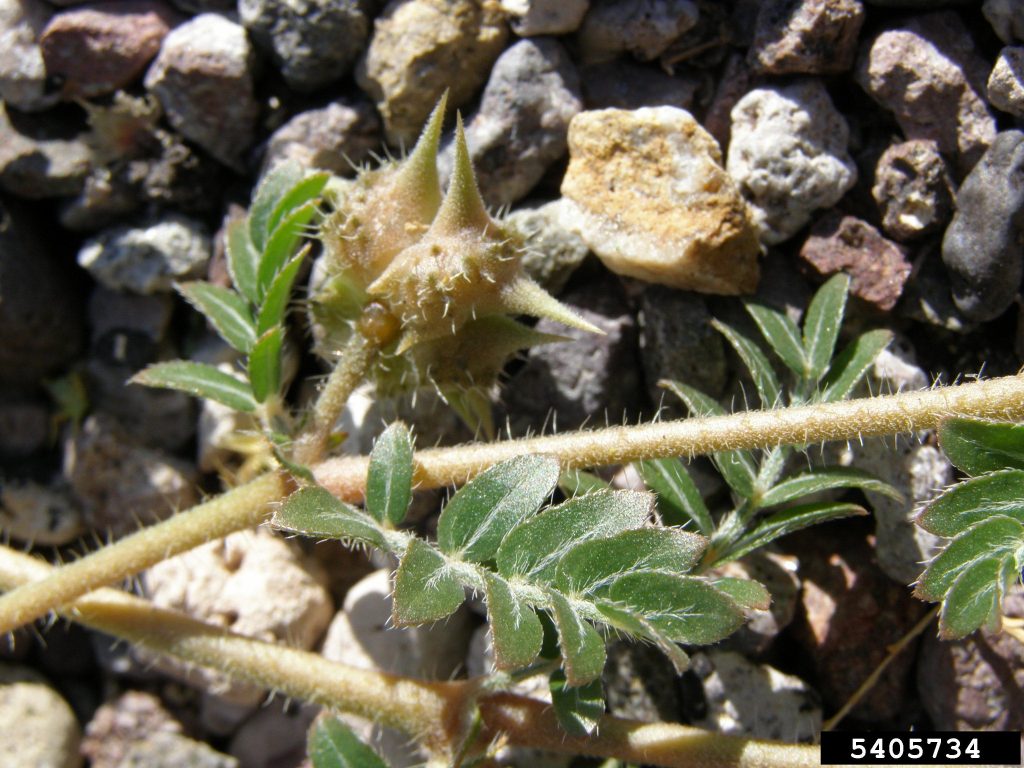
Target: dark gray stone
[
  {"x": 644, "y": 28},
  {"x": 1006, "y": 18},
  {"x": 678, "y": 342},
  {"x": 588, "y": 379},
  {"x": 913, "y": 189},
  {"x": 522, "y": 125},
  {"x": 982, "y": 246},
  {"x": 40, "y": 314},
  {"x": 312, "y": 42},
  {"x": 627, "y": 85}
]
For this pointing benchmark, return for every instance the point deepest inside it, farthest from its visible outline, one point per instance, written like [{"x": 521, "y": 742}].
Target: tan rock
[
  {"x": 251, "y": 582},
  {"x": 421, "y": 47},
  {"x": 647, "y": 193}
]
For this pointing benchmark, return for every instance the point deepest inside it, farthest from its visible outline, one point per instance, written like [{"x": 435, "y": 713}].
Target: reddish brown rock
[
  {"x": 976, "y": 683},
  {"x": 99, "y": 48},
  {"x": 878, "y": 268},
  {"x": 852, "y": 613},
  {"x": 814, "y": 37},
  {"x": 929, "y": 75}
]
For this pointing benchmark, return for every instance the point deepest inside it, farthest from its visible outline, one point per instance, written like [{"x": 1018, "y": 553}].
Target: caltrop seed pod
[{"x": 433, "y": 281}]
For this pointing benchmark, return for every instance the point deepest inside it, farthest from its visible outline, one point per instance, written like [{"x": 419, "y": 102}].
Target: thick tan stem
[
  {"x": 240, "y": 508},
  {"x": 428, "y": 711},
  {"x": 850, "y": 420}
]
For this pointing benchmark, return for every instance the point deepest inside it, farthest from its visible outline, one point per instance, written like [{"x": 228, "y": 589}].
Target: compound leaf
[
  {"x": 825, "y": 479},
  {"x": 315, "y": 511},
  {"x": 265, "y": 364},
  {"x": 332, "y": 744},
  {"x": 516, "y": 631},
  {"x": 578, "y": 709},
  {"x": 592, "y": 565},
  {"x": 484, "y": 510},
  {"x": 765, "y": 380},
  {"x": 976, "y": 446},
  {"x": 850, "y": 365},
  {"x": 201, "y": 380},
  {"x": 533, "y": 549},
  {"x": 788, "y": 521},
  {"x": 975, "y": 500},
  {"x": 687, "y": 609},
  {"x": 679, "y": 501},
  {"x": 822, "y": 322},
  {"x": 582, "y": 647},
  {"x": 425, "y": 588},
  {"x": 389, "y": 480},
  {"x": 782, "y": 336},
  {"x": 227, "y": 312}
]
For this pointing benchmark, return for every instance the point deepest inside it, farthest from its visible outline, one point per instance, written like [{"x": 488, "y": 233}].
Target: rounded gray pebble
[{"x": 982, "y": 246}]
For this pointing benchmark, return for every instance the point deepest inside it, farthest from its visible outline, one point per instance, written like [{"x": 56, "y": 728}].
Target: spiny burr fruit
[{"x": 431, "y": 281}]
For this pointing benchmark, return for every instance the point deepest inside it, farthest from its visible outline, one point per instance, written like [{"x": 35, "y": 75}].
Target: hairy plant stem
[
  {"x": 346, "y": 477},
  {"x": 240, "y": 508},
  {"x": 428, "y": 711},
  {"x": 349, "y": 372},
  {"x": 1001, "y": 399}
]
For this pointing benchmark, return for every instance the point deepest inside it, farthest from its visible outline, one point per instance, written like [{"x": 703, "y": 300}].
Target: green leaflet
[
  {"x": 822, "y": 323},
  {"x": 516, "y": 631},
  {"x": 679, "y": 501},
  {"x": 782, "y": 335},
  {"x": 575, "y": 482},
  {"x": 765, "y": 380},
  {"x": 200, "y": 380},
  {"x": 275, "y": 302},
  {"x": 788, "y": 521},
  {"x": 243, "y": 260},
  {"x": 314, "y": 511},
  {"x": 227, "y": 312},
  {"x": 300, "y": 193},
  {"x": 850, "y": 365},
  {"x": 593, "y": 565},
  {"x": 271, "y": 190},
  {"x": 281, "y": 244},
  {"x": 533, "y": 549},
  {"x": 578, "y": 709},
  {"x": 483, "y": 511},
  {"x": 265, "y": 364},
  {"x": 425, "y": 589},
  {"x": 332, "y": 744},
  {"x": 627, "y": 620},
  {"x": 975, "y": 598},
  {"x": 582, "y": 648},
  {"x": 976, "y": 446},
  {"x": 748, "y": 594},
  {"x": 829, "y": 478},
  {"x": 975, "y": 500},
  {"x": 389, "y": 480},
  {"x": 998, "y": 536},
  {"x": 687, "y": 609}
]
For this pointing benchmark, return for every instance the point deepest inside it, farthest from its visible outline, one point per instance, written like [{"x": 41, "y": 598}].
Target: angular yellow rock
[{"x": 646, "y": 191}]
